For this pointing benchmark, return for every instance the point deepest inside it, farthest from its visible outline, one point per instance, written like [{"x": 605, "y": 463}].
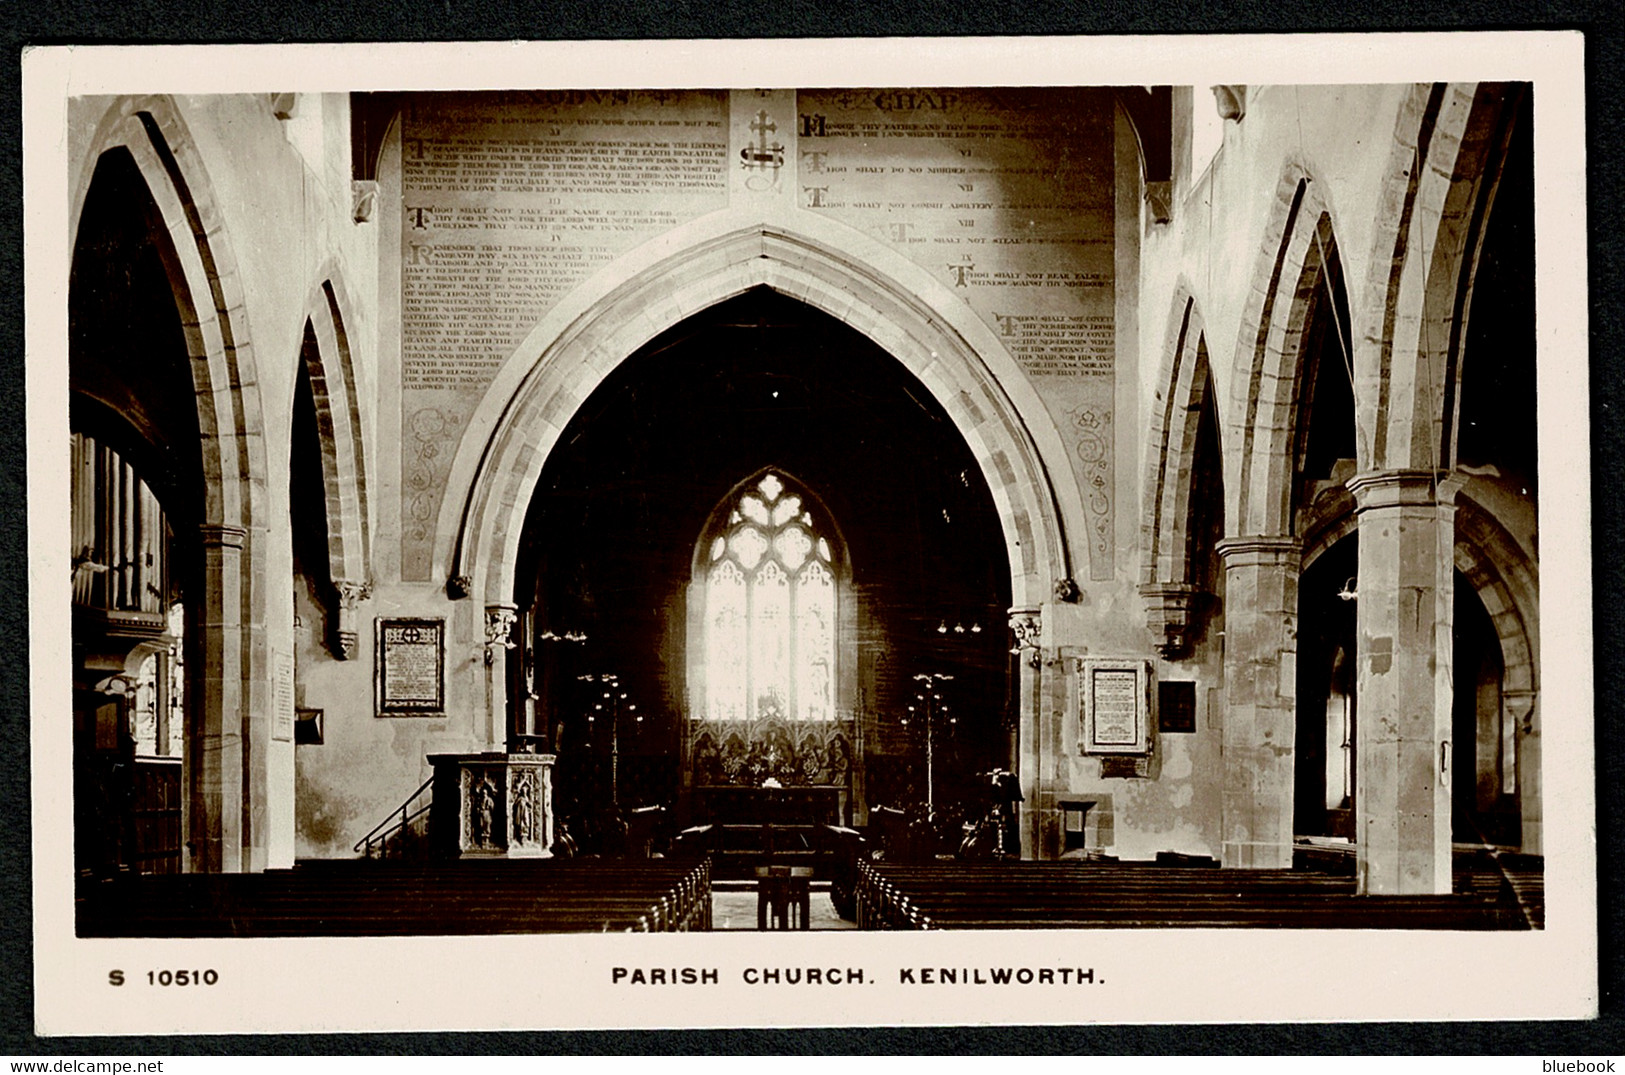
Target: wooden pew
[
  {"x": 368, "y": 899},
  {"x": 1066, "y": 895}
]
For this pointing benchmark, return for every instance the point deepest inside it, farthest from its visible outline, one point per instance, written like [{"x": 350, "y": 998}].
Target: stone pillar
[
  {"x": 1404, "y": 655},
  {"x": 1026, "y": 629},
  {"x": 1261, "y": 687},
  {"x": 1523, "y": 707},
  {"x": 499, "y": 621},
  {"x": 216, "y": 773}
]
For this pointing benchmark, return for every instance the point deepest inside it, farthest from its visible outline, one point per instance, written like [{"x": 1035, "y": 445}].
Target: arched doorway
[
  {"x": 623, "y": 518},
  {"x": 137, "y": 506},
  {"x": 1326, "y": 749},
  {"x": 155, "y": 306}
]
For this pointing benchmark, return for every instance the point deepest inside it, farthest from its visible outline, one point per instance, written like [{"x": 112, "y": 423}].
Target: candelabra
[
  {"x": 930, "y": 706},
  {"x": 611, "y": 698}
]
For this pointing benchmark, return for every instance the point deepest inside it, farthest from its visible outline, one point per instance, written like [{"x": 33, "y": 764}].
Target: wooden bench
[
  {"x": 1068, "y": 895},
  {"x": 371, "y": 898}
]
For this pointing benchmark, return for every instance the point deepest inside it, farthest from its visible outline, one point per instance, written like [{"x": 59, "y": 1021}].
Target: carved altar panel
[{"x": 748, "y": 753}]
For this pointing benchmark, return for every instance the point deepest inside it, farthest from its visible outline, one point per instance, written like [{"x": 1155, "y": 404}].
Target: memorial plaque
[
  {"x": 282, "y": 697},
  {"x": 1114, "y": 698},
  {"x": 411, "y": 667}
]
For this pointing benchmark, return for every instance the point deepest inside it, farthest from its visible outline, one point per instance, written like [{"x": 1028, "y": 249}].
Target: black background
[{"x": 194, "y": 21}]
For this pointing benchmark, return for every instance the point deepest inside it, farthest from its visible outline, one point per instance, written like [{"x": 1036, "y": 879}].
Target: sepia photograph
[{"x": 648, "y": 535}]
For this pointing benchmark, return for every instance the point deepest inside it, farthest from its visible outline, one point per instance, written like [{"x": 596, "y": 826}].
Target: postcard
[{"x": 695, "y": 534}]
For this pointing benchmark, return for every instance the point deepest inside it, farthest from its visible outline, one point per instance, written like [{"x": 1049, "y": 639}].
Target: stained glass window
[{"x": 770, "y": 610}]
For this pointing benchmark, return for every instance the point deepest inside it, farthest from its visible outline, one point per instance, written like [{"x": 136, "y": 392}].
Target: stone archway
[
  {"x": 874, "y": 290},
  {"x": 1168, "y": 578},
  {"x": 226, "y": 819},
  {"x": 953, "y": 354},
  {"x": 331, "y": 371},
  {"x": 1262, "y": 550}
]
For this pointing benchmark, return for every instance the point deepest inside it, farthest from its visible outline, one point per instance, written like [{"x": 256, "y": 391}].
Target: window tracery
[{"x": 770, "y": 600}]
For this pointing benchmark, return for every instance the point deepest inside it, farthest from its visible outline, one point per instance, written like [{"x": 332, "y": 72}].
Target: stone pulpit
[{"x": 492, "y": 805}]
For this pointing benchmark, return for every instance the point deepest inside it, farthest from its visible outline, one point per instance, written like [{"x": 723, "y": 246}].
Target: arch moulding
[
  {"x": 872, "y": 288},
  {"x": 338, "y": 423},
  {"x": 1258, "y": 441},
  {"x": 228, "y": 815}
]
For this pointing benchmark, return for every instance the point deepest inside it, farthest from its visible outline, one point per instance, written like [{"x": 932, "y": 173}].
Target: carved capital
[
  {"x": 1520, "y": 706},
  {"x": 1258, "y": 550},
  {"x": 119, "y": 684},
  {"x": 1027, "y": 625},
  {"x": 345, "y": 635},
  {"x": 1067, "y": 590},
  {"x": 223, "y": 536},
  {"x": 1170, "y": 614},
  {"x": 351, "y": 593},
  {"x": 459, "y": 587},
  {"x": 1403, "y": 489},
  {"x": 499, "y": 621}
]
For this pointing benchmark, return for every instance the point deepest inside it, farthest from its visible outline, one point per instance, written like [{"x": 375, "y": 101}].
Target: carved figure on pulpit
[
  {"x": 482, "y": 810},
  {"x": 524, "y": 808}
]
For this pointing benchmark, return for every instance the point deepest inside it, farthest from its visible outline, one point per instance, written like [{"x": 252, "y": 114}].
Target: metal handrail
[{"x": 397, "y": 821}]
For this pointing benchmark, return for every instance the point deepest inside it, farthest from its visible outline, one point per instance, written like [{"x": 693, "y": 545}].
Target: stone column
[
  {"x": 216, "y": 772},
  {"x": 1523, "y": 707},
  {"x": 1026, "y": 629},
  {"x": 499, "y": 621},
  {"x": 1404, "y": 658},
  {"x": 1261, "y": 687}
]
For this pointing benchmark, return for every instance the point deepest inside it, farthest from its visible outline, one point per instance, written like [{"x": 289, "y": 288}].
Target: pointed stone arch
[
  {"x": 1263, "y": 432},
  {"x": 330, "y": 370},
  {"x": 228, "y": 732},
  {"x": 1444, "y": 167},
  {"x": 1167, "y": 576},
  {"x": 338, "y": 423},
  {"x": 868, "y": 286}
]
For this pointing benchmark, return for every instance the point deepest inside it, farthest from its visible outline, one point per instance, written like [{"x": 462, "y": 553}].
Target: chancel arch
[
  {"x": 736, "y": 641},
  {"x": 957, "y": 358}
]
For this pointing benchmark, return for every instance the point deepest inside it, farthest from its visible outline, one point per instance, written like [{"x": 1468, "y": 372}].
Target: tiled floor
[{"x": 737, "y": 910}]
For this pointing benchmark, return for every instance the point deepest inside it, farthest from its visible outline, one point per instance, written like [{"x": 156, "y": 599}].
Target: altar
[{"x": 732, "y": 804}]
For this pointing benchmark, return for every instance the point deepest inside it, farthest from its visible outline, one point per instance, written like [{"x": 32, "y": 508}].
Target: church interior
[{"x": 804, "y": 508}]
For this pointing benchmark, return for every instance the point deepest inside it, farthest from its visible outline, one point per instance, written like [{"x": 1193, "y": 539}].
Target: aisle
[{"x": 735, "y": 909}]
